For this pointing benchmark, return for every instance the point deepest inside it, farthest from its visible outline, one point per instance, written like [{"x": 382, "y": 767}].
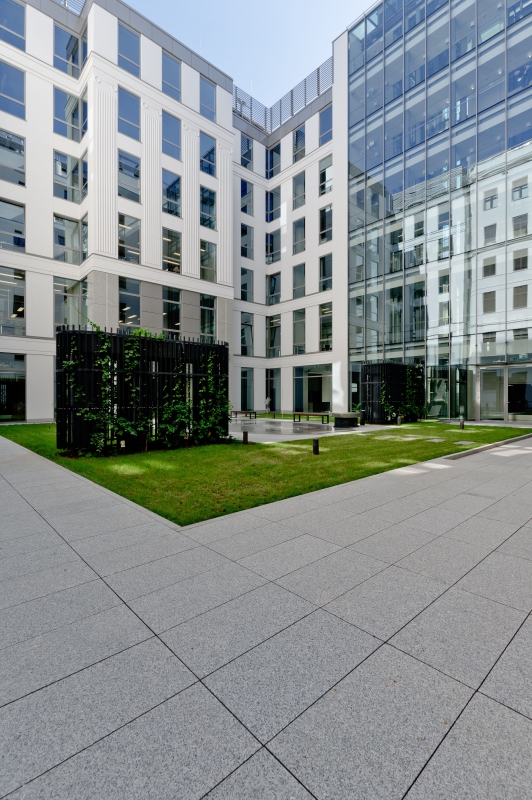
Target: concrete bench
[{"x": 349, "y": 420}]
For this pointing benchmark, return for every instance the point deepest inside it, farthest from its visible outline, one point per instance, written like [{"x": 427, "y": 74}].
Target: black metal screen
[{"x": 393, "y": 379}]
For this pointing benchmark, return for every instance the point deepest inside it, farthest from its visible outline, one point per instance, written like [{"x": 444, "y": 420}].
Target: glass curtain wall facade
[{"x": 440, "y": 162}]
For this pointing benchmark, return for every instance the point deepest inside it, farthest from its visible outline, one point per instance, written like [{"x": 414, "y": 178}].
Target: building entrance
[{"x": 506, "y": 394}]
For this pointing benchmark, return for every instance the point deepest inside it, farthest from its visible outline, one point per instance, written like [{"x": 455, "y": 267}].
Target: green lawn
[{"x": 188, "y": 486}]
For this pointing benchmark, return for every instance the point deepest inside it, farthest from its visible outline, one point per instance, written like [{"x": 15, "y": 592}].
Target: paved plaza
[{"x": 371, "y": 640}]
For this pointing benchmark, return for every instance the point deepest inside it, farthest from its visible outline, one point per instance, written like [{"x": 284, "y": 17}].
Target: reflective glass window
[
  {"x": 374, "y": 87},
  {"x": 393, "y": 130},
  {"x": 414, "y": 13},
  {"x": 415, "y": 59},
  {"x": 273, "y": 161},
  {"x": 66, "y": 51},
  {"x": 208, "y": 261},
  {"x": 273, "y": 204},
  {"x": 128, "y": 50},
  {"x": 393, "y": 21},
  {"x": 207, "y": 318},
  {"x": 326, "y": 272},
  {"x": 374, "y": 33},
  {"x": 519, "y": 58},
  {"x": 519, "y": 120},
  {"x": 298, "y": 190},
  {"x": 207, "y": 99},
  {"x": 518, "y": 10},
  {"x": 12, "y": 303},
  {"x": 11, "y": 90},
  {"x": 246, "y": 241},
  {"x": 12, "y": 235},
  {"x": 207, "y": 208},
  {"x": 171, "y": 77},
  {"x": 393, "y": 73},
  {"x": 128, "y": 238},
  {"x": 207, "y": 154},
  {"x": 357, "y": 98},
  {"x": 246, "y": 197},
  {"x": 326, "y": 330},
  {"x": 70, "y": 177},
  {"x": 70, "y": 302},
  {"x": 12, "y": 23},
  {"x": 129, "y": 114},
  {"x": 299, "y": 143},
  {"x": 491, "y": 134},
  {"x": 490, "y": 19},
  {"x": 415, "y": 119},
  {"x": 326, "y": 119},
  {"x": 171, "y": 250},
  {"x": 246, "y": 285},
  {"x": 273, "y": 289},
  {"x": 437, "y": 43},
  {"x": 356, "y": 47},
  {"x": 128, "y": 176},
  {"x": 325, "y": 224},
  {"x": 298, "y": 281},
  {"x": 171, "y": 309},
  {"x": 463, "y": 90},
  {"x": 171, "y": 193},
  {"x": 325, "y": 175},
  {"x": 171, "y": 136},
  {"x": 67, "y": 240},
  {"x": 299, "y": 331},
  {"x": 246, "y": 334},
  {"x": 438, "y": 111},
  {"x": 273, "y": 336},
  {"x": 66, "y": 115},
  {"x": 374, "y": 142},
  {"x": 246, "y": 151},
  {"x": 298, "y": 237},
  {"x": 12, "y": 158},
  {"x": 128, "y": 302},
  {"x": 463, "y": 28}
]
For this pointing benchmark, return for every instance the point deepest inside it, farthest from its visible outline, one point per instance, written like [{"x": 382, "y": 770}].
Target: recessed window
[
  {"x": 326, "y": 125},
  {"x": 488, "y": 269},
  {"x": 246, "y": 197},
  {"x": 208, "y": 261},
  {"x": 128, "y": 302},
  {"x": 443, "y": 313},
  {"x": 207, "y": 318},
  {"x": 12, "y": 302},
  {"x": 207, "y": 99},
  {"x": 443, "y": 283},
  {"x": 520, "y": 189},
  {"x": 299, "y": 144},
  {"x": 12, "y": 158},
  {"x": 326, "y": 326},
  {"x": 298, "y": 281},
  {"x": 246, "y": 151},
  {"x": 273, "y": 204},
  {"x": 207, "y": 208},
  {"x": 128, "y": 176},
  {"x": 491, "y": 201},
  {"x": 70, "y": 177},
  {"x": 67, "y": 240},
  {"x": 488, "y": 302},
  {"x": 520, "y": 333},
  {"x": 12, "y": 23},
  {"x": 273, "y": 161},
  {"x": 246, "y": 333},
  {"x": 128, "y": 50},
  {"x": 171, "y": 77},
  {"x": 246, "y": 241},
  {"x": 520, "y": 262},
  {"x": 325, "y": 175},
  {"x": 70, "y": 302},
  {"x": 11, "y": 90},
  {"x": 273, "y": 336},
  {"x": 172, "y": 310},
  {"x": 299, "y": 331},
  {"x": 520, "y": 296},
  {"x": 490, "y": 234},
  {"x": 273, "y": 289},
  {"x": 489, "y": 337},
  {"x": 298, "y": 236},
  {"x": 520, "y": 225},
  {"x": 128, "y": 238},
  {"x": 171, "y": 193},
  {"x": 298, "y": 188},
  {"x": 12, "y": 236},
  {"x": 67, "y": 115},
  {"x": 171, "y": 250},
  {"x": 273, "y": 247},
  {"x": 66, "y": 51},
  {"x": 84, "y": 47},
  {"x": 325, "y": 224},
  {"x": 326, "y": 272},
  {"x": 207, "y": 154},
  {"x": 246, "y": 285},
  {"x": 129, "y": 114},
  {"x": 171, "y": 136}
]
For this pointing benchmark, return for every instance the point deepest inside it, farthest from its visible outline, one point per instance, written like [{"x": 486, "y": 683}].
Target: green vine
[{"x": 410, "y": 407}]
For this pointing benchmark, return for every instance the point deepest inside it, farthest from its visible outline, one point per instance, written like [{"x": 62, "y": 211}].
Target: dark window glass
[
  {"x": 246, "y": 241},
  {"x": 273, "y": 204},
  {"x": 326, "y": 125},
  {"x": 246, "y": 197},
  {"x": 207, "y": 208},
  {"x": 11, "y": 90},
  {"x": 207, "y": 154},
  {"x": 128, "y": 50},
  {"x": 128, "y": 238},
  {"x": 325, "y": 224},
  {"x": 171, "y": 309},
  {"x": 298, "y": 187},
  {"x": 171, "y": 136},
  {"x": 246, "y": 285},
  {"x": 298, "y": 236},
  {"x": 273, "y": 289},
  {"x": 520, "y": 296},
  {"x": 171, "y": 77},
  {"x": 171, "y": 250},
  {"x": 299, "y": 281},
  {"x": 326, "y": 272},
  {"x": 68, "y": 183},
  {"x": 246, "y": 151},
  {"x": 325, "y": 175},
  {"x": 208, "y": 261},
  {"x": 273, "y": 336},
  {"x": 128, "y": 302},
  {"x": 273, "y": 247},
  {"x": 246, "y": 333},
  {"x": 299, "y": 331},
  {"x": 171, "y": 193},
  {"x": 299, "y": 143},
  {"x": 326, "y": 326},
  {"x": 66, "y": 52},
  {"x": 273, "y": 161},
  {"x": 129, "y": 114},
  {"x": 207, "y": 99},
  {"x": 488, "y": 302},
  {"x": 207, "y": 318}
]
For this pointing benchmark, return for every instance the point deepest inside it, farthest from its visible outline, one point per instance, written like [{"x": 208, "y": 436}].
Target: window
[
  {"x": 246, "y": 151},
  {"x": 273, "y": 289},
  {"x": 67, "y": 240},
  {"x": 491, "y": 201},
  {"x": 520, "y": 296},
  {"x": 298, "y": 236},
  {"x": 488, "y": 302},
  {"x": 246, "y": 389},
  {"x": 273, "y": 161},
  {"x": 520, "y": 262},
  {"x": 325, "y": 224},
  {"x": 171, "y": 136},
  {"x": 273, "y": 336},
  {"x": 128, "y": 238},
  {"x": 12, "y": 302},
  {"x": 246, "y": 197},
  {"x": 326, "y": 272},
  {"x": 443, "y": 313},
  {"x": 12, "y": 227},
  {"x": 273, "y": 204},
  {"x": 489, "y": 337},
  {"x": 520, "y": 190},
  {"x": 246, "y": 241},
  {"x": 208, "y": 261},
  {"x": 128, "y": 176},
  {"x": 299, "y": 144},
  {"x": 171, "y": 193},
  {"x": 299, "y": 190},
  {"x": 66, "y": 115},
  {"x": 299, "y": 331},
  {"x": 443, "y": 283},
  {"x": 129, "y": 114},
  {"x": 325, "y": 125},
  {"x": 12, "y": 23},
  {"x": 129, "y": 302},
  {"x": 490, "y": 234},
  {"x": 70, "y": 302},
  {"x": 246, "y": 334},
  {"x": 66, "y": 52},
  {"x": 299, "y": 281},
  {"x": 128, "y": 50},
  {"x": 84, "y": 46},
  {"x": 520, "y": 225},
  {"x": 171, "y": 309},
  {"x": 69, "y": 184},
  {"x": 84, "y": 237},
  {"x": 207, "y": 208},
  {"x": 326, "y": 326},
  {"x": 207, "y": 154},
  {"x": 326, "y": 175},
  {"x": 246, "y": 285},
  {"x": 273, "y": 247},
  {"x": 520, "y": 333},
  {"x": 12, "y": 158},
  {"x": 207, "y": 99},
  {"x": 171, "y": 250},
  {"x": 11, "y": 90},
  {"x": 488, "y": 269},
  {"x": 207, "y": 318},
  {"x": 171, "y": 77}
]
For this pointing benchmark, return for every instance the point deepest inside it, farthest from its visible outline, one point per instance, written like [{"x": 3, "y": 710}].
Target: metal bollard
[
  {"x": 245, "y": 437},
  {"x": 315, "y": 447},
  {"x": 461, "y": 424}
]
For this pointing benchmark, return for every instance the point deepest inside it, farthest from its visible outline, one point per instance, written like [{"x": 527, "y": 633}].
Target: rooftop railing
[{"x": 75, "y": 6}]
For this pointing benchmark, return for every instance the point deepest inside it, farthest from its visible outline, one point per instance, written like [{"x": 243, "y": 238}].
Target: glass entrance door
[
  {"x": 520, "y": 393},
  {"x": 492, "y": 394}
]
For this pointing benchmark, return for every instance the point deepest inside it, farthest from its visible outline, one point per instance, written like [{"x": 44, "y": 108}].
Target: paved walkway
[{"x": 371, "y": 640}]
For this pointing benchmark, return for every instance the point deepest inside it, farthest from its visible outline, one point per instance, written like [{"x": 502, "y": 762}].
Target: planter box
[{"x": 349, "y": 420}]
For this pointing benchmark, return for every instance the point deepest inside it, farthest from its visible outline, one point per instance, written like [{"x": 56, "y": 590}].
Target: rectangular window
[
  {"x": 273, "y": 161},
  {"x": 325, "y": 175},
  {"x": 299, "y": 331},
  {"x": 491, "y": 201},
  {"x": 325, "y": 125},
  {"x": 520, "y": 225},
  {"x": 246, "y": 334},
  {"x": 172, "y": 310},
  {"x": 207, "y": 99},
  {"x": 298, "y": 236},
  {"x": 171, "y": 250},
  {"x": 488, "y": 302},
  {"x": 246, "y": 241},
  {"x": 246, "y": 285},
  {"x": 246, "y": 197},
  {"x": 298, "y": 187},
  {"x": 12, "y": 23},
  {"x": 273, "y": 289},
  {"x": 66, "y": 115},
  {"x": 171, "y": 77},
  {"x": 326, "y": 272},
  {"x": 207, "y": 154},
  {"x": 12, "y": 158},
  {"x": 12, "y": 302},
  {"x": 129, "y": 114},
  {"x": 69, "y": 184},
  {"x": 12, "y": 235},
  {"x": 490, "y": 234},
  {"x": 246, "y": 389},
  {"x": 520, "y": 333},
  {"x": 326, "y": 326},
  {"x": 520, "y": 296},
  {"x": 128, "y": 176},
  {"x": 70, "y": 302},
  {"x": 520, "y": 262},
  {"x": 443, "y": 313},
  {"x": 12, "y": 90},
  {"x": 246, "y": 151},
  {"x": 208, "y": 261},
  {"x": 273, "y": 336},
  {"x": 67, "y": 240},
  {"x": 443, "y": 283},
  {"x": 207, "y": 318},
  {"x": 488, "y": 269},
  {"x": 128, "y": 238},
  {"x": 299, "y": 281},
  {"x": 84, "y": 47},
  {"x": 273, "y": 247},
  {"x": 489, "y": 337},
  {"x": 171, "y": 136},
  {"x": 129, "y": 302},
  {"x": 273, "y": 204},
  {"x": 207, "y": 208},
  {"x": 171, "y": 193},
  {"x": 325, "y": 224},
  {"x": 66, "y": 52},
  {"x": 299, "y": 144},
  {"x": 128, "y": 50},
  {"x": 520, "y": 190}
]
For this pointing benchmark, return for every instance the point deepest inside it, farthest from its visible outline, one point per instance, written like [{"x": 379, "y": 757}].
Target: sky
[{"x": 266, "y": 47}]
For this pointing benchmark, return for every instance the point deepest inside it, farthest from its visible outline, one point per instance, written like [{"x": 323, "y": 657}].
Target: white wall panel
[
  {"x": 39, "y": 165},
  {"x": 224, "y": 205},
  {"x": 39, "y": 35},
  {"x": 151, "y": 182},
  {"x": 151, "y": 62},
  {"x": 103, "y": 33},
  {"x": 190, "y": 92},
  {"x": 39, "y": 388},
  {"x": 39, "y": 304},
  {"x": 190, "y": 202},
  {"x": 104, "y": 169}
]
